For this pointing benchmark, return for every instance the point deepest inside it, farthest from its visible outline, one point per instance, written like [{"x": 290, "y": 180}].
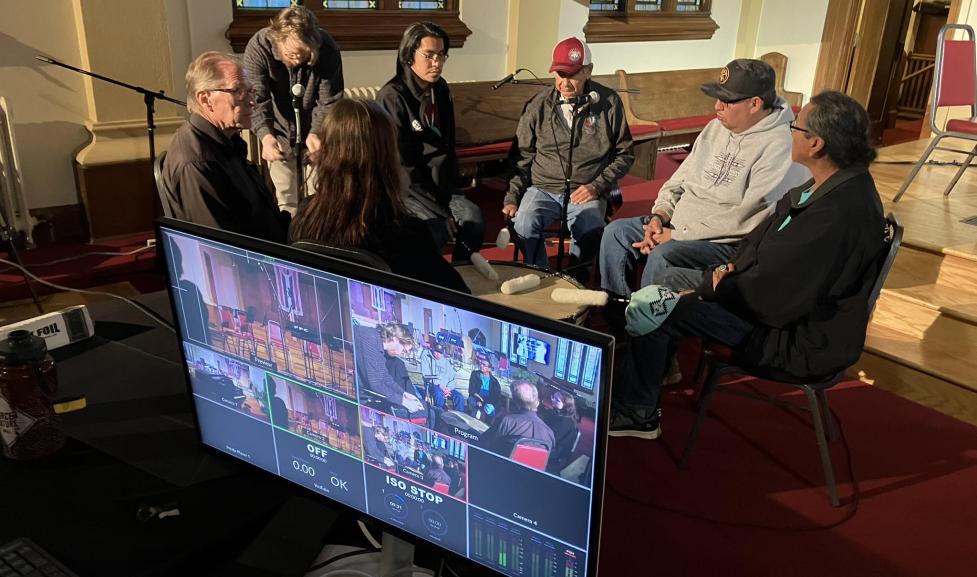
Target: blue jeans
[
  {"x": 638, "y": 380},
  {"x": 438, "y": 398},
  {"x": 538, "y": 208},
  {"x": 619, "y": 260}
]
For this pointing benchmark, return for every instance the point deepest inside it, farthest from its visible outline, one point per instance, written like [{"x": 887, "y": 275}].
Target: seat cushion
[
  {"x": 959, "y": 125},
  {"x": 685, "y": 123},
  {"x": 491, "y": 149},
  {"x": 638, "y": 195}
]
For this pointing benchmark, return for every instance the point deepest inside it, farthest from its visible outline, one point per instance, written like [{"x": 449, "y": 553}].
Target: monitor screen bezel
[{"x": 424, "y": 290}]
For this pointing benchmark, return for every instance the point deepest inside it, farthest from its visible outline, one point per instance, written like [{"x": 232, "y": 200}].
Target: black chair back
[
  {"x": 893, "y": 239},
  {"x": 164, "y": 199},
  {"x": 354, "y": 255}
]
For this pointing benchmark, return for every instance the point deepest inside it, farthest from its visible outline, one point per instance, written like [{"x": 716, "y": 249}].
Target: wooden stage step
[{"x": 922, "y": 342}]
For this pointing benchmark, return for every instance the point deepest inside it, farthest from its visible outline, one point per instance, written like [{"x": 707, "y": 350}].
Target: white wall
[
  {"x": 793, "y": 29},
  {"x": 664, "y": 55},
  {"x": 47, "y": 104}
]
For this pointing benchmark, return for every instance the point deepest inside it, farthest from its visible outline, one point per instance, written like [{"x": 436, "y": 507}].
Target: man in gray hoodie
[{"x": 739, "y": 167}]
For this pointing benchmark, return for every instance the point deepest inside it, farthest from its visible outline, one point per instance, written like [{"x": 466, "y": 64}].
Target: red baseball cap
[{"x": 570, "y": 55}]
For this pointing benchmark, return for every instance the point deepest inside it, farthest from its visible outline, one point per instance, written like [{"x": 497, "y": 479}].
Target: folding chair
[
  {"x": 531, "y": 453},
  {"x": 716, "y": 362},
  {"x": 955, "y": 81}
]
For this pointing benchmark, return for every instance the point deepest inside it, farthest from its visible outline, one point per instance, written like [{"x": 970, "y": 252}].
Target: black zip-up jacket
[
  {"x": 207, "y": 179},
  {"x": 602, "y": 151},
  {"x": 805, "y": 285},
  {"x": 427, "y": 153}
]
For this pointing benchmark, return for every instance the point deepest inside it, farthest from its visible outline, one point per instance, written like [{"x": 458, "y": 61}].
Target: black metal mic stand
[
  {"x": 299, "y": 172},
  {"x": 149, "y": 98},
  {"x": 567, "y": 183}
]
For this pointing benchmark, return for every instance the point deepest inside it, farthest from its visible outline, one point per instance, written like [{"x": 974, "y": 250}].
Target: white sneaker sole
[{"x": 649, "y": 435}]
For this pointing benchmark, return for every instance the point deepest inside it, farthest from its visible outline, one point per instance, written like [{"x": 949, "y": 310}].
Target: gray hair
[
  {"x": 525, "y": 394},
  {"x": 205, "y": 73}
]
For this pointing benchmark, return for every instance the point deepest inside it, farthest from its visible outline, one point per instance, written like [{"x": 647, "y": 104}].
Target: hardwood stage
[{"x": 922, "y": 343}]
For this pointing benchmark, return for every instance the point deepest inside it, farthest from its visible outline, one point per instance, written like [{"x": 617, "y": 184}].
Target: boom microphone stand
[
  {"x": 297, "y": 90},
  {"x": 567, "y": 184},
  {"x": 149, "y": 98}
]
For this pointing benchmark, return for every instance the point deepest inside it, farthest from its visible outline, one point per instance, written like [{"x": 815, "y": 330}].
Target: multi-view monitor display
[{"x": 468, "y": 429}]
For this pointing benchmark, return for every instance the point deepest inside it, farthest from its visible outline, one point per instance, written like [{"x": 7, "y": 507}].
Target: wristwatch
[{"x": 722, "y": 268}]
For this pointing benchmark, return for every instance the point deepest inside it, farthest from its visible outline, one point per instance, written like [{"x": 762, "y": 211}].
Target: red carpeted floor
[
  {"x": 71, "y": 265},
  {"x": 753, "y": 501}
]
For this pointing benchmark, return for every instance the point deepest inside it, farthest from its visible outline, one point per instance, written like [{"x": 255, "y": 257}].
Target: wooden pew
[{"x": 672, "y": 100}]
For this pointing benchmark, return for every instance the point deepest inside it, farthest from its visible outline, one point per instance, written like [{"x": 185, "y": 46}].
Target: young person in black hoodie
[
  {"x": 793, "y": 301},
  {"x": 418, "y": 100}
]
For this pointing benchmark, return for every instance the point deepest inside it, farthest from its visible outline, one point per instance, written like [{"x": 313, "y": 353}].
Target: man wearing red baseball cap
[{"x": 601, "y": 155}]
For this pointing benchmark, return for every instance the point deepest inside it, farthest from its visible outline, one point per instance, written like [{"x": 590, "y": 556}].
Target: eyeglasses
[
  {"x": 793, "y": 126},
  {"x": 728, "y": 103},
  {"x": 239, "y": 93},
  {"x": 433, "y": 56}
]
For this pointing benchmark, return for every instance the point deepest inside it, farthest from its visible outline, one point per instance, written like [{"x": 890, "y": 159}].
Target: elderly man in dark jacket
[
  {"x": 793, "y": 301},
  {"x": 206, "y": 176},
  {"x": 602, "y": 154}
]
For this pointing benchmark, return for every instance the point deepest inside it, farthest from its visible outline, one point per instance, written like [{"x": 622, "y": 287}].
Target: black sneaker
[{"x": 632, "y": 422}]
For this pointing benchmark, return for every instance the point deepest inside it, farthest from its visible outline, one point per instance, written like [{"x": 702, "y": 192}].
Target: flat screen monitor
[{"x": 367, "y": 388}]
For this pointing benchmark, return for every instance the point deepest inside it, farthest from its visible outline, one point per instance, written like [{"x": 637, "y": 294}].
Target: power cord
[
  {"x": 444, "y": 566},
  {"x": 928, "y": 162},
  {"x": 142, "y": 308},
  {"x": 852, "y": 509},
  {"x": 342, "y": 556},
  {"x": 84, "y": 255}
]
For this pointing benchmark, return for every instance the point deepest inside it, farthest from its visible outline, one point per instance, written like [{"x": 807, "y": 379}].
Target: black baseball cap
[{"x": 741, "y": 79}]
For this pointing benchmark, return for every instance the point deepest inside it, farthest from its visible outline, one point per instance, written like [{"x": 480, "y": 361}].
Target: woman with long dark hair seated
[{"x": 359, "y": 197}]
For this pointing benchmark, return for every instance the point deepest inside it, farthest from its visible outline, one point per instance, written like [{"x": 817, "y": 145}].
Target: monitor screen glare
[{"x": 380, "y": 399}]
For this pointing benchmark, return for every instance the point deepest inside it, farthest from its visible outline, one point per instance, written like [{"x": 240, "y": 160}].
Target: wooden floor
[{"x": 922, "y": 343}]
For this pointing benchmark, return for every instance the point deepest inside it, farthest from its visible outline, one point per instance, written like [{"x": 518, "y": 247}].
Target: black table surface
[{"x": 81, "y": 503}]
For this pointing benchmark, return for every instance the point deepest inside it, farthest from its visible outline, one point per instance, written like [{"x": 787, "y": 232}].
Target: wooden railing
[{"x": 914, "y": 89}]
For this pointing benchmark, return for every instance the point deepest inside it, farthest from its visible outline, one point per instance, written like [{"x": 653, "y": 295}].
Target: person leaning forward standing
[{"x": 291, "y": 51}]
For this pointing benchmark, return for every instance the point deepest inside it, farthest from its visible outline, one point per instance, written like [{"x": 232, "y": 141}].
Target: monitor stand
[
  {"x": 396, "y": 556},
  {"x": 288, "y": 542}
]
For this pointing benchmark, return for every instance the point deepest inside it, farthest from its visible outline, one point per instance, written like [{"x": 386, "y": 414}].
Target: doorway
[{"x": 881, "y": 53}]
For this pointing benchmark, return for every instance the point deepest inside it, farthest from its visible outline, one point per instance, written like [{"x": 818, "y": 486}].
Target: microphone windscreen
[
  {"x": 483, "y": 267},
  {"x": 503, "y": 239},
  {"x": 594, "y": 97},
  {"x": 579, "y": 297},
  {"x": 519, "y": 284},
  {"x": 297, "y": 89}
]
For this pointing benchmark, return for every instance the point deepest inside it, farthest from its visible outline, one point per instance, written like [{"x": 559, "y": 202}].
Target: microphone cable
[{"x": 141, "y": 307}]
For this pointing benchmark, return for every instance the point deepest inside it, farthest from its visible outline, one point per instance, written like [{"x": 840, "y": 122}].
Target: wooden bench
[{"x": 671, "y": 101}]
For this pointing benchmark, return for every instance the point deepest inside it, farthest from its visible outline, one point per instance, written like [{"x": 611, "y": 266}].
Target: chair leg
[
  {"x": 960, "y": 171},
  {"x": 705, "y": 397},
  {"x": 701, "y": 367},
  {"x": 829, "y": 422},
  {"x": 916, "y": 167},
  {"x": 829, "y": 475}
]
